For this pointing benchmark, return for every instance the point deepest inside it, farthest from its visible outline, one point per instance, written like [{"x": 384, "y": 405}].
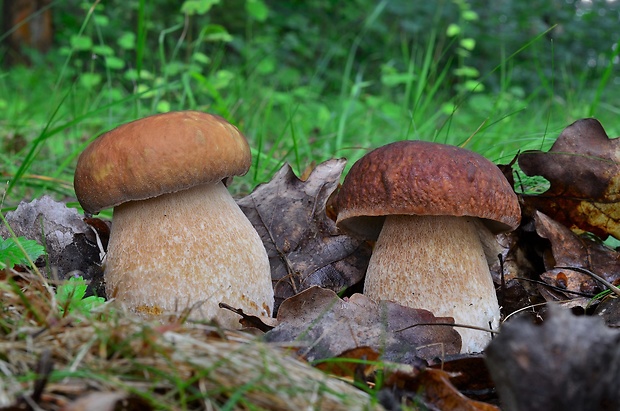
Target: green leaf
[
  {"x": 468, "y": 43},
  {"x": 215, "y": 32},
  {"x": 64, "y": 51},
  {"x": 462, "y": 52},
  {"x": 114, "y": 63},
  {"x": 131, "y": 75},
  {"x": 394, "y": 79},
  {"x": 103, "y": 50},
  {"x": 72, "y": 290},
  {"x": 467, "y": 71},
  {"x": 90, "y": 303},
  {"x": 81, "y": 42},
  {"x": 127, "y": 41},
  {"x": 192, "y": 7},
  {"x": 70, "y": 297},
  {"x": 11, "y": 254},
  {"x": 222, "y": 79},
  {"x": 102, "y": 20},
  {"x": 201, "y": 58},
  {"x": 257, "y": 9},
  {"x": 90, "y": 80},
  {"x": 175, "y": 67},
  {"x": 470, "y": 15},
  {"x": 145, "y": 91},
  {"x": 163, "y": 106},
  {"x": 267, "y": 66},
  {"x": 453, "y": 30},
  {"x": 473, "y": 86}
]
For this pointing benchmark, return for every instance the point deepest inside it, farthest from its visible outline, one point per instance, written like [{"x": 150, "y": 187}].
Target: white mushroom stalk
[
  {"x": 207, "y": 252},
  {"x": 438, "y": 262}
]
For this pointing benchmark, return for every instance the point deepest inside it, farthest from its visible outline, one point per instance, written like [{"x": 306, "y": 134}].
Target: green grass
[
  {"x": 173, "y": 366},
  {"x": 50, "y": 114}
]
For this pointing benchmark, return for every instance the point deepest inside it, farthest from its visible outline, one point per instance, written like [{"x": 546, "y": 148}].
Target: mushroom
[
  {"x": 178, "y": 237},
  {"x": 428, "y": 205}
]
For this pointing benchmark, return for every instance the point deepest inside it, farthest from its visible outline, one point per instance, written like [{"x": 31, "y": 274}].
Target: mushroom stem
[
  {"x": 169, "y": 252},
  {"x": 436, "y": 263}
]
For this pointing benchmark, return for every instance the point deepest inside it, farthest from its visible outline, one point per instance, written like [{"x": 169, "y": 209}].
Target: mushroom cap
[
  {"x": 424, "y": 178},
  {"x": 159, "y": 154}
]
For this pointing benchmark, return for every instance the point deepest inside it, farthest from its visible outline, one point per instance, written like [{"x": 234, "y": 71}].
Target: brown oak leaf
[
  {"x": 571, "y": 250},
  {"x": 434, "y": 390},
  {"x": 583, "y": 170},
  {"x": 304, "y": 246},
  {"x": 327, "y": 326}
]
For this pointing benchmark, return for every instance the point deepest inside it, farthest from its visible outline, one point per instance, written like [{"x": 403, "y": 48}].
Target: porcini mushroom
[
  {"x": 177, "y": 237},
  {"x": 427, "y": 205}
]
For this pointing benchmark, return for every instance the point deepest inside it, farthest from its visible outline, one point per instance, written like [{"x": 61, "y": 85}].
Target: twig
[{"x": 609, "y": 285}]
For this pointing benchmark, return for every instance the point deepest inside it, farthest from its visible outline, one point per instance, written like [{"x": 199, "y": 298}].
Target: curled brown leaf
[
  {"x": 583, "y": 170},
  {"x": 303, "y": 244}
]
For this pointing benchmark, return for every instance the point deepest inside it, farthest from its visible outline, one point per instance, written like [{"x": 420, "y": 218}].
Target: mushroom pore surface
[
  {"x": 436, "y": 263},
  {"x": 172, "y": 251}
]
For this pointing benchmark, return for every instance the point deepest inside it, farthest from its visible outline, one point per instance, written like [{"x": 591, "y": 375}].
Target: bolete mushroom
[
  {"x": 428, "y": 205},
  {"x": 178, "y": 237}
]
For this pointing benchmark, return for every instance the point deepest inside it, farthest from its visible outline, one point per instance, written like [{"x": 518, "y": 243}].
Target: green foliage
[
  {"x": 578, "y": 44},
  {"x": 192, "y": 7},
  {"x": 305, "y": 81},
  {"x": 468, "y": 77},
  {"x": 70, "y": 297},
  {"x": 12, "y": 251}
]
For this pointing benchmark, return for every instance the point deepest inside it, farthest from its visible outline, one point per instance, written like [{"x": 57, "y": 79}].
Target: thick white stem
[
  {"x": 168, "y": 253},
  {"x": 436, "y": 263}
]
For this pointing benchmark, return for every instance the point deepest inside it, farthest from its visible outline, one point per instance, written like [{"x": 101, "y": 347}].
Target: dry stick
[
  {"x": 502, "y": 279},
  {"x": 612, "y": 287},
  {"x": 472, "y": 327},
  {"x": 609, "y": 285},
  {"x": 531, "y": 306},
  {"x": 555, "y": 287}
]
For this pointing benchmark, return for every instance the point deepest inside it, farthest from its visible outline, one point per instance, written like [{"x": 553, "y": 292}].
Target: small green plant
[
  {"x": 19, "y": 251},
  {"x": 467, "y": 74},
  {"x": 70, "y": 297}
]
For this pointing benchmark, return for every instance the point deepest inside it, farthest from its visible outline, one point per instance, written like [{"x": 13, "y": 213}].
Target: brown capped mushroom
[
  {"x": 177, "y": 237},
  {"x": 428, "y": 205}
]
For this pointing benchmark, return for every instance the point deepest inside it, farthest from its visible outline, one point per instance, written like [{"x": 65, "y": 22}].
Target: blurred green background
[{"x": 304, "y": 80}]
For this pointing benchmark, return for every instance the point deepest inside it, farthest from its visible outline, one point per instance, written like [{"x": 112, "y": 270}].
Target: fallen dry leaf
[
  {"x": 571, "y": 250},
  {"x": 567, "y": 363},
  {"x": 263, "y": 324},
  {"x": 517, "y": 271},
  {"x": 583, "y": 170},
  {"x": 328, "y": 326},
  {"x": 469, "y": 375},
  {"x": 354, "y": 364},
  {"x": 304, "y": 246},
  {"x": 433, "y": 387},
  {"x": 609, "y": 310},
  {"x": 513, "y": 296},
  {"x": 69, "y": 242}
]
